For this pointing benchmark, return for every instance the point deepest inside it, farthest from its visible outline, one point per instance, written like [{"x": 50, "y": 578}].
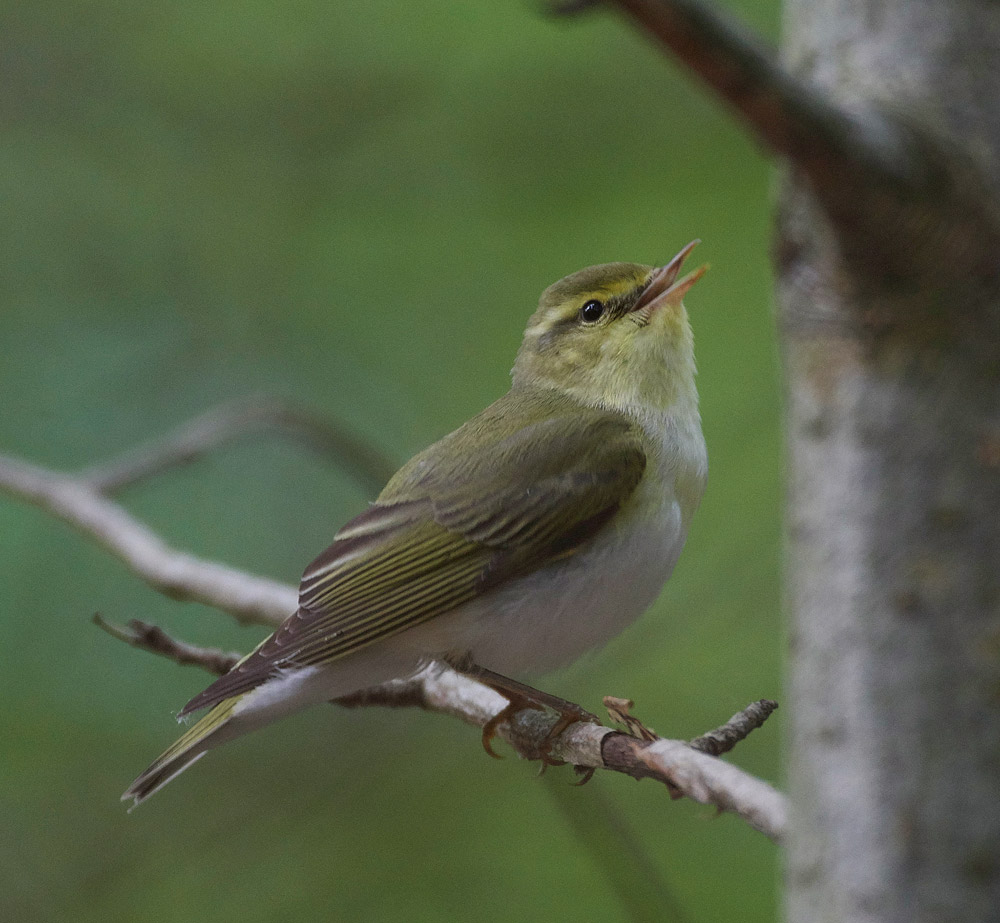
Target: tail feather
[
  {"x": 280, "y": 695},
  {"x": 186, "y": 750}
]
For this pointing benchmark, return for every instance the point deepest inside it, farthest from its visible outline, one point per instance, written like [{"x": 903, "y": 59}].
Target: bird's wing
[{"x": 438, "y": 540}]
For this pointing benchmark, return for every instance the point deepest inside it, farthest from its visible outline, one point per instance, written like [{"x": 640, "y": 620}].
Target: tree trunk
[
  {"x": 886, "y": 115},
  {"x": 889, "y": 307}
]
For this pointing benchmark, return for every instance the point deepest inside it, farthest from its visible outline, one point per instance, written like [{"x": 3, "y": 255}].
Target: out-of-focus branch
[
  {"x": 228, "y": 422},
  {"x": 905, "y": 199},
  {"x": 82, "y": 502},
  {"x": 619, "y": 851},
  {"x": 246, "y": 597},
  {"x": 790, "y": 116}
]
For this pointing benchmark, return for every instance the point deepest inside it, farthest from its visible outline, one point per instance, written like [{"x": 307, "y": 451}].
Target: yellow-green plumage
[
  {"x": 448, "y": 526},
  {"x": 588, "y": 468}
]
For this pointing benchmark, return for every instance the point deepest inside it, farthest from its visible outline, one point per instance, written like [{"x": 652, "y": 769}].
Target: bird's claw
[
  {"x": 519, "y": 698},
  {"x": 568, "y": 715}
]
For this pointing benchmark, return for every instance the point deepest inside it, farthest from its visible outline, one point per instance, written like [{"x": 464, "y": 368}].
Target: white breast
[{"x": 556, "y": 614}]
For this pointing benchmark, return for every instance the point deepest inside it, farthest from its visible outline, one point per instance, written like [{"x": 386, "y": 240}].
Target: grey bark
[
  {"x": 890, "y": 309},
  {"x": 886, "y": 116}
]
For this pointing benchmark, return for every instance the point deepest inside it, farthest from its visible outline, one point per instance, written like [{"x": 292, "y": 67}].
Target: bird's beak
[{"x": 665, "y": 288}]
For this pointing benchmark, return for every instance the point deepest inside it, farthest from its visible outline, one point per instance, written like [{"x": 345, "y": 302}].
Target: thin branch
[
  {"x": 246, "y": 597},
  {"x": 154, "y": 639},
  {"x": 228, "y": 422},
  {"x": 714, "y": 743},
  {"x": 724, "y": 738},
  {"x": 600, "y": 828},
  {"x": 685, "y": 768},
  {"x": 635, "y": 878},
  {"x": 700, "y": 777},
  {"x": 675, "y": 763}
]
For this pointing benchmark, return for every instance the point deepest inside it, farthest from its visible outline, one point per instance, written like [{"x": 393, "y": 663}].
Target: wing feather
[{"x": 439, "y": 538}]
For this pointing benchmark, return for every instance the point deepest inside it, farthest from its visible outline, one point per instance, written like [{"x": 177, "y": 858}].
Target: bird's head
[{"x": 615, "y": 335}]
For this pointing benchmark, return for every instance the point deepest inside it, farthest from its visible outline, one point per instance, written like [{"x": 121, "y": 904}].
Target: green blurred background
[{"x": 355, "y": 207}]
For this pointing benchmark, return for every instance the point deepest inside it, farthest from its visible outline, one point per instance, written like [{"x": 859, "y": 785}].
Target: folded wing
[{"x": 439, "y": 536}]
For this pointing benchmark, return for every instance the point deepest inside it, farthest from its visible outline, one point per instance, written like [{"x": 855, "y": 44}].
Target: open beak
[{"x": 665, "y": 288}]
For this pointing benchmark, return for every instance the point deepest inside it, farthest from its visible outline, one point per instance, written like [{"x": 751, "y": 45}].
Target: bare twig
[
  {"x": 246, "y": 597},
  {"x": 714, "y": 743},
  {"x": 700, "y": 777},
  {"x": 684, "y": 768},
  {"x": 724, "y": 738},
  {"x": 620, "y": 711},
  {"x": 154, "y": 639},
  {"x": 600, "y": 827},
  {"x": 686, "y": 771},
  {"x": 223, "y": 424}
]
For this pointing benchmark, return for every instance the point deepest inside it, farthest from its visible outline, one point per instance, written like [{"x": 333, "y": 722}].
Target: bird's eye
[{"x": 592, "y": 311}]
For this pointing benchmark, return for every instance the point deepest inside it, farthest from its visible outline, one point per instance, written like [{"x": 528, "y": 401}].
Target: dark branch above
[
  {"x": 904, "y": 200},
  {"x": 791, "y": 117}
]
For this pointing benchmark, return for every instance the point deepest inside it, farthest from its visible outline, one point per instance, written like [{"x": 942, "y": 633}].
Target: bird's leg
[{"x": 520, "y": 696}]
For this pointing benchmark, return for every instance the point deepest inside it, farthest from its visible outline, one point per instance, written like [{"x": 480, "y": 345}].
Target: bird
[{"x": 532, "y": 534}]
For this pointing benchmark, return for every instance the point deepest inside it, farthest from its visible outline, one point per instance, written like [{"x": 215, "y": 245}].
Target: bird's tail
[{"x": 207, "y": 733}]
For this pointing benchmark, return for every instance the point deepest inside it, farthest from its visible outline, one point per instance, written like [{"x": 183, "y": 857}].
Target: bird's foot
[{"x": 519, "y": 697}]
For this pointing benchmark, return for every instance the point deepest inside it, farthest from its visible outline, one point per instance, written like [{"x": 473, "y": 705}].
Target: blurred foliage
[{"x": 354, "y": 207}]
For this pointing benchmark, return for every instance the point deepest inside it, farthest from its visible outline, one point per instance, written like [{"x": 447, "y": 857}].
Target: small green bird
[{"x": 533, "y": 533}]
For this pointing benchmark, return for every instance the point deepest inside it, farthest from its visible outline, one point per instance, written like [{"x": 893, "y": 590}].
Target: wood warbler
[{"x": 534, "y": 532}]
